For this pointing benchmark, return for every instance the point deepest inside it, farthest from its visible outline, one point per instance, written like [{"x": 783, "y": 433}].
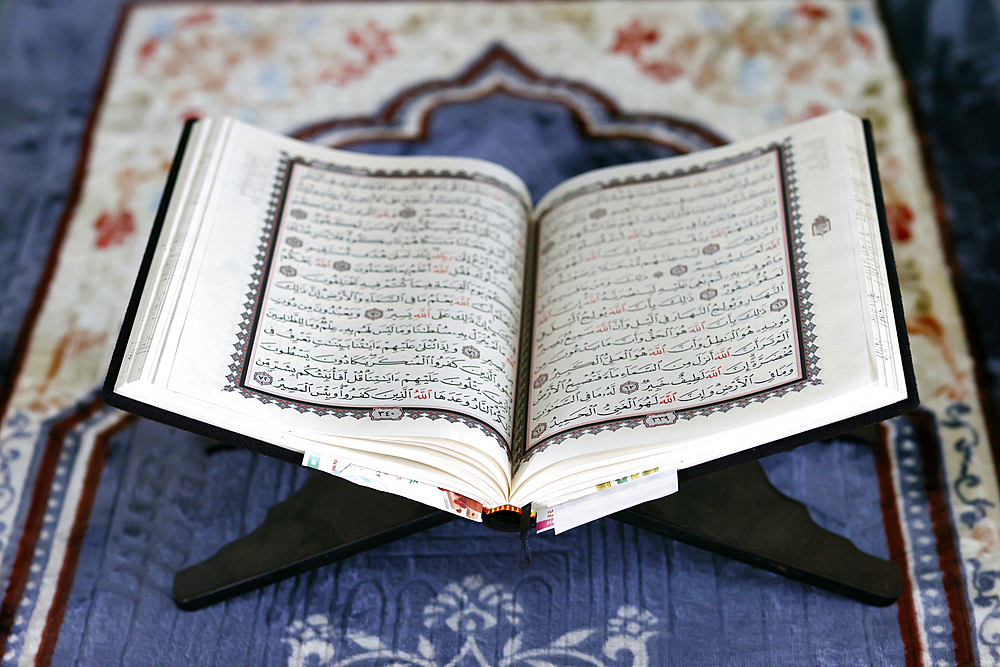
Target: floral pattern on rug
[
  {"x": 741, "y": 67},
  {"x": 472, "y": 610}
]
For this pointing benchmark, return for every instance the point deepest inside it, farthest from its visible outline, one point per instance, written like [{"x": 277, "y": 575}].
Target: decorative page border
[
  {"x": 799, "y": 276},
  {"x": 262, "y": 268}
]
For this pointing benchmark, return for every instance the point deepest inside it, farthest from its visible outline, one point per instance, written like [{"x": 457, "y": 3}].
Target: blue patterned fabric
[
  {"x": 163, "y": 503},
  {"x": 605, "y": 593}
]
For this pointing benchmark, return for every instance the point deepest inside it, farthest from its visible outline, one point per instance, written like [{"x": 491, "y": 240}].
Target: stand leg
[
  {"x": 326, "y": 520},
  {"x": 734, "y": 512},
  {"x": 738, "y": 513}
]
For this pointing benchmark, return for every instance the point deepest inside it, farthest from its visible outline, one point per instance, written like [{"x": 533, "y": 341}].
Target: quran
[{"x": 419, "y": 326}]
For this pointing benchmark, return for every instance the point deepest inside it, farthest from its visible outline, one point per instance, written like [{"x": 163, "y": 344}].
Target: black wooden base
[{"x": 735, "y": 512}]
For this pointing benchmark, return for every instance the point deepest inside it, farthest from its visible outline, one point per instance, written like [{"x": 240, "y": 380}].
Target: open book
[{"x": 416, "y": 325}]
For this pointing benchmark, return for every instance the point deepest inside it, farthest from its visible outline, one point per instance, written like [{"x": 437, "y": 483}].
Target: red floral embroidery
[
  {"x": 113, "y": 228},
  {"x": 375, "y": 44},
  {"x": 663, "y": 71},
  {"x": 149, "y": 46},
  {"x": 812, "y": 11},
  {"x": 812, "y": 110},
  {"x": 864, "y": 40},
  {"x": 200, "y": 16},
  {"x": 342, "y": 74},
  {"x": 145, "y": 51},
  {"x": 632, "y": 38},
  {"x": 931, "y": 328},
  {"x": 900, "y": 217},
  {"x": 373, "y": 41}
]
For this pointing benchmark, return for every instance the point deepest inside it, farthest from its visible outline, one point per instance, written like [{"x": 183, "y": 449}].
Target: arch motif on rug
[{"x": 543, "y": 128}]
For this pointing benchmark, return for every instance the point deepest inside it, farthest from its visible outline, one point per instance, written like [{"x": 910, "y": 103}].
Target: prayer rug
[{"x": 98, "y": 509}]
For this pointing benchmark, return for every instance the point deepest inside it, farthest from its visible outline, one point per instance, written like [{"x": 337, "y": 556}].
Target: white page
[
  {"x": 693, "y": 344},
  {"x": 449, "y": 262}
]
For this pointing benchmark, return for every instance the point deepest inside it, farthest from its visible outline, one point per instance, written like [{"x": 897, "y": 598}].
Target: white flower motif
[
  {"x": 631, "y": 621},
  {"x": 312, "y": 637},
  {"x": 629, "y": 631},
  {"x": 470, "y": 606}
]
